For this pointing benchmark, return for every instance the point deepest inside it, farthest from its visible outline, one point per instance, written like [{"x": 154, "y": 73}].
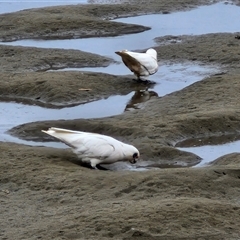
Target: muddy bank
[
  {"x": 230, "y": 160},
  {"x": 44, "y": 194},
  {"x": 62, "y": 89},
  {"x": 25, "y": 59},
  {"x": 211, "y": 140},
  {"x": 220, "y": 48},
  {"x": 81, "y": 21},
  {"x": 61, "y": 23}
]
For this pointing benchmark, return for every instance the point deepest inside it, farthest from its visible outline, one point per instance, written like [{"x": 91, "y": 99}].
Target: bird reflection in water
[{"x": 139, "y": 98}]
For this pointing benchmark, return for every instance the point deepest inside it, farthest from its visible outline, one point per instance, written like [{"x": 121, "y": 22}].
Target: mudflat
[{"x": 45, "y": 192}]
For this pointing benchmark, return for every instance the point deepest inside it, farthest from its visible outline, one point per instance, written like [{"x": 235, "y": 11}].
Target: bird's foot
[
  {"x": 99, "y": 167},
  {"x": 144, "y": 81}
]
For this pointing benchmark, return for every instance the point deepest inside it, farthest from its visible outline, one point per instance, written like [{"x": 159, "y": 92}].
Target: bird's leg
[
  {"x": 91, "y": 162},
  {"x": 94, "y": 162},
  {"x": 138, "y": 80}
]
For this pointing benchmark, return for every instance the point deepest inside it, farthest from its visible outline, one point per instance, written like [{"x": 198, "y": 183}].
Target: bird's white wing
[
  {"x": 64, "y": 135},
  {"x": 148, "y": 63},
  {"x": 94, "y": 146},
  {"x": 130, "y": 62}
]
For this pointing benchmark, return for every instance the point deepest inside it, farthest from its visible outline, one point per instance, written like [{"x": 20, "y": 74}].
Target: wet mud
[
  {"x": 47, "y": 194},
  {"x": 65, "y": 89}
]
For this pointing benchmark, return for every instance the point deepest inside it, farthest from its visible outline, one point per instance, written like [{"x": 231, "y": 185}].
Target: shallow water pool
[{"x": 209, "y": 153}]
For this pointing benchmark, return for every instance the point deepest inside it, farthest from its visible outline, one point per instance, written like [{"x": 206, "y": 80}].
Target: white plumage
[
  {"x": 95, "y": 148},
  {"x": 141, "y": 64}
]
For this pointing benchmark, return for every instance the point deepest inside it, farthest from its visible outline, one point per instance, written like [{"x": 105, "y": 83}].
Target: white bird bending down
[
  {"x": 141, "y": 64},
  {"x": 95, "y": 148}
]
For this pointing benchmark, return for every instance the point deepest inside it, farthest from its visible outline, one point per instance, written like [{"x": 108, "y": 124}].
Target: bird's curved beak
[{"x": 133, "y": 160}]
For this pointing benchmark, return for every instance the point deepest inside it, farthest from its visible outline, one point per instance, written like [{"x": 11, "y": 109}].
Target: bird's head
[{"x": 134, "y": 155}]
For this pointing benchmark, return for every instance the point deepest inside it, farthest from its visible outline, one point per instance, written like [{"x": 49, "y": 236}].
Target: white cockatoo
[
  {"x": 141, "y": 64},
  {"x": 95, "y": 148}
]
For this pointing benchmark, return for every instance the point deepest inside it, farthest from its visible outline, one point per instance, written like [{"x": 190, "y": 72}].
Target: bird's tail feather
[
  {"x": 59, "y": 130},
  {"x": 62, "y": 134}
]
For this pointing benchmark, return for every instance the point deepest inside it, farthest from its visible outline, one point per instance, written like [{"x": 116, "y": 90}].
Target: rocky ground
[{"x": 46, "y": 194}]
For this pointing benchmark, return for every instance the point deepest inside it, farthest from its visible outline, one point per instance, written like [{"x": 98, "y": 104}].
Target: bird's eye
[{"x": 135, "y": 155}]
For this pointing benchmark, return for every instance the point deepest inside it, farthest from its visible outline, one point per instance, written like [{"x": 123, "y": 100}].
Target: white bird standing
[
  {"x": 95, "y": 148},
  {"x": 141, "y": 64}
]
